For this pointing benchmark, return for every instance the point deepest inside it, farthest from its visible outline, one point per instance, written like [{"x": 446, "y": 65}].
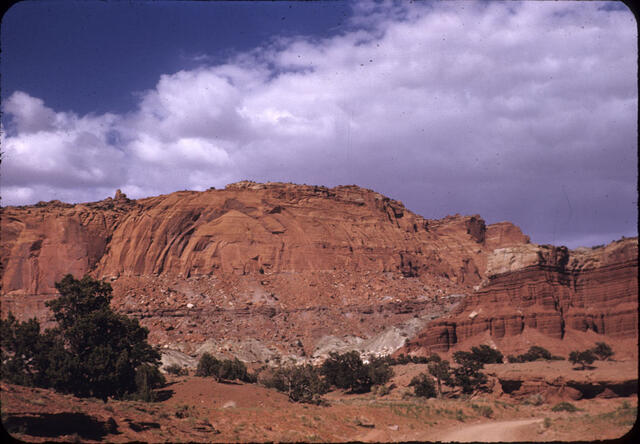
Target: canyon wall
[
  {"x": 291, "y": 264},
  {"x": 249, "y": 248},
  {"x": 549, "y": 289}
]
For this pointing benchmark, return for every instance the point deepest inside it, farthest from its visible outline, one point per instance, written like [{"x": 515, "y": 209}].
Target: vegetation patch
[
  {"x": 535, "y": 353},
  {"x": 93, "y": 351},
  {"x": 564, "y": 407}
]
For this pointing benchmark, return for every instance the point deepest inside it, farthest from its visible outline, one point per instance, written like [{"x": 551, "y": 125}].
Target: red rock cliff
[
  {"x": 550, "y": 289},
  {"x": 252, "y": 247}
]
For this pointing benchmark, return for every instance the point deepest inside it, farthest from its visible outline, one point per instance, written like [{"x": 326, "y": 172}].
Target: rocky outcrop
[
  {"x": 549, "y": 289},
  {"x": 291, "y": 264},
  {"x": 254, "y": 251}
]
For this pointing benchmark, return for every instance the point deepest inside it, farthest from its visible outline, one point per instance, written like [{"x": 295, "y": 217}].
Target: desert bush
[
  {"x": 208, "y": 366},
  {"x": 93, "y": 351},
  {"x": 487, "y": 355},
  {"x": 378, "y": 371},
  {"x": 603, "y": 351},
  {"x": 185, "y": 411},
  {"x": 534, "y": 353},
  {"x": 535, "y": 399},
  {"x": 582, "y": 358},
  {"x": 223, "y": 370},
  {"x": 301, "y": 383},
  {"x": 423, "y": 386},
  {"x": 483, "y": 410},
  {"x": 177, "y": 370},
  {"x": 148, "y": 378},
  {"x": 347, "y": 371},
  {"x": 564, "y": 407},
  {"x": 383, "y": 390},
  {"x": 467, "y": 375},
  {"x": 442, "y": 372},
  {"x": 233, "y": 369}
]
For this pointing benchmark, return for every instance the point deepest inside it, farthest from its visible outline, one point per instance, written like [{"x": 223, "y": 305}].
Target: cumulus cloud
[{"x": 518, "y": 111}]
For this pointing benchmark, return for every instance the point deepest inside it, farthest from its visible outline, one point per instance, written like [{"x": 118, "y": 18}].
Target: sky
[{"x": 517, "y": 111}]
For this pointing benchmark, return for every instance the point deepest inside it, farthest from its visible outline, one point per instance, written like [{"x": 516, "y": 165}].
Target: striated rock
[
  {"x": 290, "y": 264},
  {"x": 280, "y": 262},
  {"x": 549, "y": 289}
]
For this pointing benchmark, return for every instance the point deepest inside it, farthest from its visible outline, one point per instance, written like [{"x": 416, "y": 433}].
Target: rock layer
[
  {"x": 549, "y": 289},
  {"x": 251, "y": 248},
  {"x": 290, "y": 264}
]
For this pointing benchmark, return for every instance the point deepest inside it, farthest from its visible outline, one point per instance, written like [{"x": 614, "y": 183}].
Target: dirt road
[{"x": 490, "y": 432}]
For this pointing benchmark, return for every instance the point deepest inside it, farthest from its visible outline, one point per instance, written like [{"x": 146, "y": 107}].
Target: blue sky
[{"x": 519, "y": 111}]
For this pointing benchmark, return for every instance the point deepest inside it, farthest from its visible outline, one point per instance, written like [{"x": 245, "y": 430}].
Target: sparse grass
[
  {"x": 547, "y": 423},
  {"x": 536, "y": 400},
  {"x": 564, "y": 407},
  {"x": 185, "y": 411},
  {"x": 410, "y": 410},
  {"x": 483, "y": 410}
]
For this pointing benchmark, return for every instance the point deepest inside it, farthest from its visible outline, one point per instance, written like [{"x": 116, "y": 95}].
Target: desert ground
[{"x": 198, "y": 409}]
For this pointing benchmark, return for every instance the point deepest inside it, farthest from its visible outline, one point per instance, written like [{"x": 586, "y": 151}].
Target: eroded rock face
[
  {"x": 550, "y": 289},
  {"x": 274, "y": 256},
  {"x": 290, "y": 264}
]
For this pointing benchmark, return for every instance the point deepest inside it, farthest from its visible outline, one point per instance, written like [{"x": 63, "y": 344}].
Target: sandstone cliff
[
  {"x": 549, "y": 289},
  {"x": 273, "y": 259},
  {"x": 294, "y": 266}
]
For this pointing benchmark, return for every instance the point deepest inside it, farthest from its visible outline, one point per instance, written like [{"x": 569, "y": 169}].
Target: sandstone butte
[{"x": 288, "y": 266}]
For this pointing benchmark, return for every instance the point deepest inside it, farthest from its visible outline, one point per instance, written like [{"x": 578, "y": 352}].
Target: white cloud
[{"x": 438, "y": 104}]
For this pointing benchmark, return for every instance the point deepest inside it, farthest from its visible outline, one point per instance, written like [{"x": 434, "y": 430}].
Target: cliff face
[
  {"x": 246, "y": 228},
  {"x": 291, "y": 264},
  {"x": 259, "y": 248},
  {"x": 550, "y": 289}
]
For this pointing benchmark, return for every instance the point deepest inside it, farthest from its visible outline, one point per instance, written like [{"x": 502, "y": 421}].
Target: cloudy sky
[{"x": 518, "y": 111}]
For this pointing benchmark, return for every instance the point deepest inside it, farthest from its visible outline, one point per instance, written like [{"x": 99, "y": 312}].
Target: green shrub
[
  {"x": 92, "y": 352},
  {"x": 582, "y": 358},
  {"x": 347, "y": 371},
  {"x": 383, "y": 390},
  {"x": 534, "y": 353},
  {"x": 442, "y": 372},
  {"x": 223, "y": 370},
  {"x": 535, "y": 399},
  {"x": 208, "y": 366},
  {"x": 564, "y": 406},
  {"x": 301, "y": 383},
  {"x": 467, "y": 375},
  {"x": 378, "y": 371},
  {"x": 487, "y": 355},
  {"x": 483, "y": 410},
  {"x": 423, "y": 386},
  {"x": 148, "y": 378},
  {"x": 177, "y": 370},
  {"x": 603, "y": 351}
]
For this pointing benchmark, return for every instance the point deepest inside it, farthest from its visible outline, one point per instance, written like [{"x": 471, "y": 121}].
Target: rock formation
[
  {"x": 290, "y": 264},
  {"x": 550, "y": 289}
]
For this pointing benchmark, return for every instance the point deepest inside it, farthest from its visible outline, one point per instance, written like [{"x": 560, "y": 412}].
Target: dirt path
[{"x": 490, "y": 432}]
